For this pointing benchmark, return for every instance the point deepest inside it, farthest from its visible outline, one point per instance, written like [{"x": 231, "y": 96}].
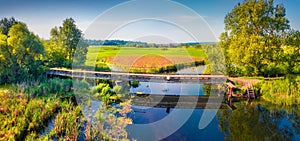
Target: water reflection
[
  {"x": 192, "y": 70},
  {"x": 260, "y": 121},
  {"x": 256, "y": 121},
  {"x": 168, "y": 88}
]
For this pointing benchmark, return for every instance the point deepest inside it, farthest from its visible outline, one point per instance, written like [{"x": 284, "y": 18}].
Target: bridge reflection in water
[{"x": 177, "y": 101}]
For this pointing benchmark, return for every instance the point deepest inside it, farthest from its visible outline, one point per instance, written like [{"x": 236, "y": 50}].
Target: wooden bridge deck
[{"x": 136, "y": 76}]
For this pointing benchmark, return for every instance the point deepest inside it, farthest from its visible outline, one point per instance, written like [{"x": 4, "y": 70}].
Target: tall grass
[
  {"x": 25, "y": 112},
  {"x": 68, "y": 122},
  {"x": 19, "y": 116},
  {"x": 282, "y": 92}
]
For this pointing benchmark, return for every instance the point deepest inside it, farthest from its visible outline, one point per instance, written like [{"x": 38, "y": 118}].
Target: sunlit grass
[
  {"x": 102, "y": 53},
  {"x": 282, "y": 92}
]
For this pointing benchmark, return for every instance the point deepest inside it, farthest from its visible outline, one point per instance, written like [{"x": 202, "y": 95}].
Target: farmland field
[{"x": 149, "y": 58}]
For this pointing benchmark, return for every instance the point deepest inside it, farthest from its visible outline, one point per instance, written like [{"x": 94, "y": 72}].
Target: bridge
[{"x": 212, "y": 79}]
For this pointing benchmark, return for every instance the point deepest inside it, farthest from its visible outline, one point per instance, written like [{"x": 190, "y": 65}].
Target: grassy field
[{"x": 142, "y": 57}]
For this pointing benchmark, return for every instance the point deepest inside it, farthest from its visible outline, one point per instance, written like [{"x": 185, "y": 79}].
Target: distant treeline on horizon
[{"x": 139, "y": 43}]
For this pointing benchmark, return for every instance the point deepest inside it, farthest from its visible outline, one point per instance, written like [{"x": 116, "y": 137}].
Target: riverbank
[
  {"x": 47, "y": 111},
  {"x": 281, "y": 91}
]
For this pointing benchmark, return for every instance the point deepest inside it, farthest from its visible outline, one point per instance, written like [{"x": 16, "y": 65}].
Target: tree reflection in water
[{"x": 259, "y": 121}]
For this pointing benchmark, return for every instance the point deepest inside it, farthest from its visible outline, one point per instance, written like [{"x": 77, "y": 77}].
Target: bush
[{"x": 274, "y": 69}]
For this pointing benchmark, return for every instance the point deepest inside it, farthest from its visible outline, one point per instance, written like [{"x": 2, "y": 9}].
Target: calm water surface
[
  {"x": 258, "y": 120},
  {"x": 250, "y": 121}
]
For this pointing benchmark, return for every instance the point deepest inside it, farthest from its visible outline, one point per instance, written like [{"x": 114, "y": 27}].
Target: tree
[
  {"x": 254, "y": 35},
  {"x": 21, "y": 55},
  {"x": 6, "y": 24},
  {"x": 64, "y": 41},
  {"x": 292, "y": 51}
]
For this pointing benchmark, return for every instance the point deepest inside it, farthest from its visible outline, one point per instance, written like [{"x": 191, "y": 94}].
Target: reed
[
  {"x": 282, "y": 92},
  {"x": 19, "y": 116}
]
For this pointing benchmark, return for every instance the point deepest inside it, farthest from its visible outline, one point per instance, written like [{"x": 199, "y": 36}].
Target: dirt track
[{"x": 244, "y": 81}]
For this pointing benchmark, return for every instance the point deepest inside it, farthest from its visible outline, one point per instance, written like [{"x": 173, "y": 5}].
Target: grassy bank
[
  {"x": 26, "y": 110},
  {"x": 284, "y": 91},
  {"x": 20, "y": 116}
]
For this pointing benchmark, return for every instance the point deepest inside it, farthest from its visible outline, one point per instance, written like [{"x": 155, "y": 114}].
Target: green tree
[
  {"x": 6, "y": 24},
  {"x": 64, "y": 41},
  {"x": 254, "y": 35},
  {"x": 292, "y": 52},
  {"x": 21, "y": 55}
]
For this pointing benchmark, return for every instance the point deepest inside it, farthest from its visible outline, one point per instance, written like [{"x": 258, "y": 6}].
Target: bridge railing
[{"x": 136, "y": 76}]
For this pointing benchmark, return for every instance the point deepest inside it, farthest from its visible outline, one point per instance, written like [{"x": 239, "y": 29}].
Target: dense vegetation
[
  {"x": 26, "y": 109},
  {"x": 259, "y": 41},
  {"x": 284, "y": 91},
  {"x": 21, "y": 52},
  {"x": 24, "y": 56}
]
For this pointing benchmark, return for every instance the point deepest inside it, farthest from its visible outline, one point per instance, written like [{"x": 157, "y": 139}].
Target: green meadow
[{"x": 101, "y": 53}]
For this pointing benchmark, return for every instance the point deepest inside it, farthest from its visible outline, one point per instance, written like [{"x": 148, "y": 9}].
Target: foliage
[
  {"x": 292, "y": 52},
  {"x": 253, "y": 42},
  {"x": 58, "y": 87},
  {"x": 6, "y": 24},
  {"x": 19, "y": 116},
  {"x": 117, "y": 89},
  {"x": 68, "y": 122},
  {"x": 21, "y": 54},
  {"x": 64, "y": 42},
  {"x": 102, "y": 91},
  {"x": 134, "y": 84},
  {"x": 214, "y": 59},
  {"x": 282, "y": 92},
  {"x": 109, "y": 123}
]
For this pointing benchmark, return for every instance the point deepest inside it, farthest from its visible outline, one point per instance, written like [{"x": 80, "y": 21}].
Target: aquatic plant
[
  {"x": 19, "y": 116},
  {"x": 68, "y": 122}
]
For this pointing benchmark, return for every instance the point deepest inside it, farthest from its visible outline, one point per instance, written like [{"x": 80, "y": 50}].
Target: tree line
[
  {"x": 258, "y": 40},
  {"x": 25, "y": 56}
]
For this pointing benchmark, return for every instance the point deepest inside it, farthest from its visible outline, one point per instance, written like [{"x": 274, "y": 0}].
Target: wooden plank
[{"x": 133, "y": 76}]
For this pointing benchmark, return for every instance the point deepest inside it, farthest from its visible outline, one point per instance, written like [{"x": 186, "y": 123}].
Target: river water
[{"x": 258, "y": 120}]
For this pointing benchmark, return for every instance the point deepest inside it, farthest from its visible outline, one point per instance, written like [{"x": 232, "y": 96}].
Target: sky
[{"x": 158, "y": 21}]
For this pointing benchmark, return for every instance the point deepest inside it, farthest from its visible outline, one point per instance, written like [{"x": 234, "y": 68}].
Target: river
[{"x": 257, "y": 120}]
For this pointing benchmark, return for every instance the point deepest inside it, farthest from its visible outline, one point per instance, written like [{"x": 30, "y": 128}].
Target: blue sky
[{"x": 41, "y": 16}]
